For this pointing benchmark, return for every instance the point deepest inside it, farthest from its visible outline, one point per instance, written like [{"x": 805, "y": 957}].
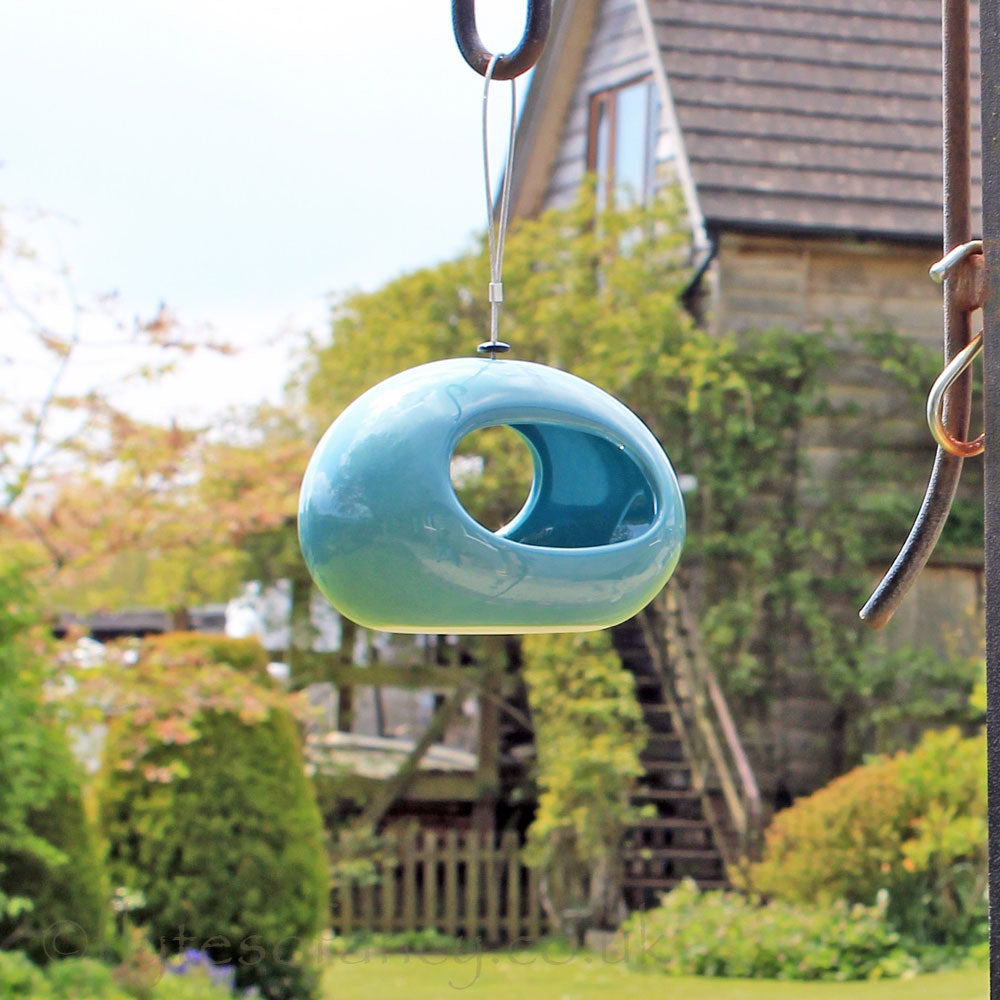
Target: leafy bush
[
  {"x": 196, "y": 985},
  {"x": 83, "y": 979},
  {"x": 281, "y": 977},
  {"x": 19, "y": 977},
  {"x": 88, "y": 979},
  {"x": 588, "y": 733},
  {"x": 50, "y": 874},
  {"x": 193, "y": 975},
  {"x": 193, "y": 962},
  {"x": 247, "y": 656},
  {"x": 67, "y": 891},
  {"x": 68, "y": 979},
  {"x": 141, "y": 967},
  {"x": 914, "y": 824},
  {"x": 907, "y": 690},
  {"x": 727, "y": 934},
  {"x": 210, "y": 817},
  {"x": 424, "y": 942}
]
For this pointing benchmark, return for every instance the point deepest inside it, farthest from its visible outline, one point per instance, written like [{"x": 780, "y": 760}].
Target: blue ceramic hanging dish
[{"x": 392, "y": 548}]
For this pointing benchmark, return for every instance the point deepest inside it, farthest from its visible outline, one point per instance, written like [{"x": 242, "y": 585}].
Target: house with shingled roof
[{"x": 805, "y": 136}]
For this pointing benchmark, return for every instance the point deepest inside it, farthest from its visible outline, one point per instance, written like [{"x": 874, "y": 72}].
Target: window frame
[{"x": 607, "y": 98}]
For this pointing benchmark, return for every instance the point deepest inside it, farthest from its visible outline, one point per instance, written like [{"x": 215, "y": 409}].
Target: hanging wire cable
[{"x": 497, "y": 221}]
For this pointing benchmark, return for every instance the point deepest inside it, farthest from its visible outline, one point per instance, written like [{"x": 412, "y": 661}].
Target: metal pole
[
  {"x": 957, "y": 230},
  {"x": 990, "y": 48}
]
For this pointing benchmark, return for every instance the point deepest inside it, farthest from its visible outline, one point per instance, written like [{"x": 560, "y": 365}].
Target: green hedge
[
  {"x": 209, "y": 815},
  {"x": 67, "y": 894},
  {"x": 913, "y": 824},
  {"x": 727, "y": 934},
  {"x": 50, "y": 873},
  {"x": 88, "y": 979}
]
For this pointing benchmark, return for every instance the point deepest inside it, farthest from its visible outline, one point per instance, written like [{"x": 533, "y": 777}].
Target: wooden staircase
[{"x": 700, "y": 803}]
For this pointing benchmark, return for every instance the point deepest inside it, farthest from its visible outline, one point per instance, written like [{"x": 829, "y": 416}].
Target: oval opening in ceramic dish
[
  {"x": 485, "y": 458},
  {"x": 586, "y": 492}
]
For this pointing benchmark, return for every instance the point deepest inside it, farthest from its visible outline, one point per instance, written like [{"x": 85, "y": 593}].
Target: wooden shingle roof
[{"x": 819, "y": 115}]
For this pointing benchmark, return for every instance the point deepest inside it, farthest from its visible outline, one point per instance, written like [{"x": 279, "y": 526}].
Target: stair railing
[{"x": 711, "y": 733}]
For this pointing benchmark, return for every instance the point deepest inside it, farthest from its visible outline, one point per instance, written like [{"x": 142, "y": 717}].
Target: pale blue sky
[{"x": 240, "y": 160}]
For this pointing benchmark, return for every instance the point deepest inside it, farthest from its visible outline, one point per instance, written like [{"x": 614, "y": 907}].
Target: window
[{"x": 624, "y": 123}]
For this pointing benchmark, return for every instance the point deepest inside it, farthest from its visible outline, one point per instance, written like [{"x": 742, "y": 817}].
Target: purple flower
[{"x": 192, "y": 959}]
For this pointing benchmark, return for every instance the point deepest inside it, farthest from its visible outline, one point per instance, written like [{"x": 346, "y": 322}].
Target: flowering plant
[{"x": 194, "y": 961}]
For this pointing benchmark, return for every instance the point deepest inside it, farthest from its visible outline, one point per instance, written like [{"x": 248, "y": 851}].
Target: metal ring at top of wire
[
  {"x": 536, "y": 31},
  {"x": 497, "y": 222}
]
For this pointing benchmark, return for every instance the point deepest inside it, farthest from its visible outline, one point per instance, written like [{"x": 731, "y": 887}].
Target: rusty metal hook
[
  {"x": 943, "y": 268},
  {"x": 957, "y": 164},
  {"x": 935, "y": 403},
  {"x": 536, "y": 31}
]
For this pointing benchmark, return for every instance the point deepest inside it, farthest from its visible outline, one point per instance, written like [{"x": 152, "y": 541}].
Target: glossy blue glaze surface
[{"x": 392, "y": 548}]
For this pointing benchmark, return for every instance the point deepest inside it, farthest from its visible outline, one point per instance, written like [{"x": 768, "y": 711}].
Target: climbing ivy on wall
[{"x": 781, "y": 549}]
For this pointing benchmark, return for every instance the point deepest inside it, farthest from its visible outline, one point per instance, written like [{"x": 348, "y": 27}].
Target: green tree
[
  {"x": 116, "y": 508},
  {"x": 602, "y": 300},
  {"x": 49, "y": 866},
  {"x": 209, "y": 813},
  {"x": 588, "y": 736}
]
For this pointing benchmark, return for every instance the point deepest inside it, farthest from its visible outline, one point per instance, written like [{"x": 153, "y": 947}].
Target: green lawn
[{"x": 537, "y": 975}]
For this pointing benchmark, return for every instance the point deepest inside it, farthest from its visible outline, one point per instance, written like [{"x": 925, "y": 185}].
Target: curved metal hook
[
  {"x": 957, "y": 164},
  {"x": 536, "y": 31},
  {"x": 935, "y": 403},
  {"x": 953, "y": 258}
]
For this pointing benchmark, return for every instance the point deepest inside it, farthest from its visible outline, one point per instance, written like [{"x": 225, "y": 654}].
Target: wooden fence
[{"x": 447, "y": 882}]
